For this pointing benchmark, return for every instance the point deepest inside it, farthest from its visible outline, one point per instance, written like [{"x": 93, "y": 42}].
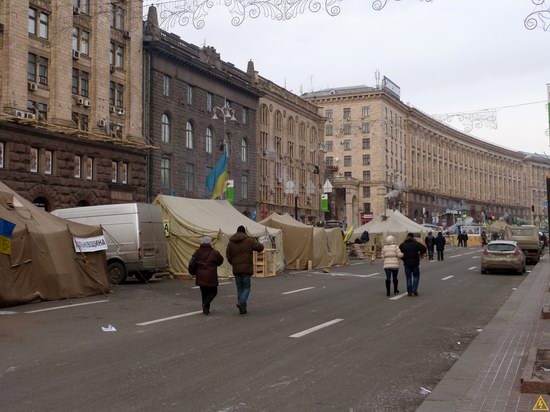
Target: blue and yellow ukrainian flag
[
  {"x": 6, "y": 230},
  {"x": 217, "y": 179}
]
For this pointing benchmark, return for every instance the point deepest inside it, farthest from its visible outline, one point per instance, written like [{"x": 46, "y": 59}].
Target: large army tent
[
  {"x": 187, "y": 220},
  {"x": 392, "y": 223},
  {"x": 43, "y": 263},
  {"x": 324, "y": 247}
]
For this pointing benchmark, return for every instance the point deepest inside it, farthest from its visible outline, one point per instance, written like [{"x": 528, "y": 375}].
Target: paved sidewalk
[{"x": 487, "y": 375}]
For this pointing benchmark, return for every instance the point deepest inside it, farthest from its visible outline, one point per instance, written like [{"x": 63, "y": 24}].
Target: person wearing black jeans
[
  {"x": 465, "y": 239},
  {"x": 208, "y": 261},
  {"x": 440, "y": 245},
  {"x": 413, "y": 251},
  {"x": 429, "y": 241}
]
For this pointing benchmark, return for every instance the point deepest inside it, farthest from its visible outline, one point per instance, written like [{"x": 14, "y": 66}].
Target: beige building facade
[
  {"x": 384, "y": 153},
  {"x": 71, "y": 98},
  {"x": 290, "y": 153}
]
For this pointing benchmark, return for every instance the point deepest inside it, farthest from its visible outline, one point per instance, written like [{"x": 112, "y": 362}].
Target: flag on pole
[
  {"x": 216, "y": 180},
  {"x": 349, "y": 233},
  {"x": 6, "y": 230}
]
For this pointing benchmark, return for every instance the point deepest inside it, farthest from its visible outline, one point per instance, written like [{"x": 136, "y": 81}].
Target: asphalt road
[{"x": 371, "y": 353}]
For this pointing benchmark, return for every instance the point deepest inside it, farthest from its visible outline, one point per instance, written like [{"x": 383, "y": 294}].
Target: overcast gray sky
[{"x": 447, "y": 56}]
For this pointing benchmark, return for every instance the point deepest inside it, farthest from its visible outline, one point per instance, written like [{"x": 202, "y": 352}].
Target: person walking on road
[
  {"x": 208, "y": 260},
  {"x": 465, "y": 239},
  {"x": 239, "y": 254},
  {"x": 483, "y": 238},
  {"x": 391, "y": 255},
  {"x": 460, "y": 239},
  {"x": 440, "y": 245},
  {"x": 413, "y": 251},
  {"x": 430, "y": 244}
]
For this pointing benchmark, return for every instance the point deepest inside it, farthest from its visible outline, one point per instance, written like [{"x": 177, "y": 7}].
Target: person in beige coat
[{"x": 391, "y": 254}]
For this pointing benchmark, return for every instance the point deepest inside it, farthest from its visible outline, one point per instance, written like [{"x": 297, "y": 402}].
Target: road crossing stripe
[
  {"x": 169, "y": 318},
  {"x": 475, "y": 257},
  {"x": 315, "y": 328},
  {"x": 67, "y": 306},
  {"x": 372, "y": 274},
  {"x": 221, "y": 284},
  {"x": 356, "y": 263},
  {"x": 472, "y": 268},
  {"x": 456, "y": 256},
  {"x": 448, "y": 277},
  {"x": 297, "y": 290},
  {"x": 399, "y": 296}
]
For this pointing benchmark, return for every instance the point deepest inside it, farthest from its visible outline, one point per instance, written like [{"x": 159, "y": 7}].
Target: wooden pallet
[
  {"x": 365, "y": 251},
  {"x": 264, "y": 263}
]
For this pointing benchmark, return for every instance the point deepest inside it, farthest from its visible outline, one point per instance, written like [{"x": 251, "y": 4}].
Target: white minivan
[{"x": 135, "y": 237}]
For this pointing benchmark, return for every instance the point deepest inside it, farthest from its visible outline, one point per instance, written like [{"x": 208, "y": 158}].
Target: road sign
[
  {"x": 327, "y": 187},
  {"x": 324, "y": 203}
]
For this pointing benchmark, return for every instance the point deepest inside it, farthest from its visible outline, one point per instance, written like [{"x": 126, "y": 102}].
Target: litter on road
[{"x": 109, "y": 328}]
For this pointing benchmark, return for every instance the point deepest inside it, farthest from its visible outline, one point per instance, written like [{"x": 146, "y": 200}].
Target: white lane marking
[
  {"x": 67, "y": 306},
  {"x": 315, "y": 328},
  {"x": 399, "y": 296},
  {"x": 447, "y": 277},
  {"x": 472, "y": 268},
  {"x": 475, "y": 257},
  {"x": 455, "y": 256},
  {"x": 346, "y": 274},
  {"x": 433, "y": 261},
  {"x": 357, "y": 263},
  {"x": 372, "y": 274},
  {"x": 221, "y": 284},
  {"x": 297, "y": 290},
  {"x": 169, "y": 318}
]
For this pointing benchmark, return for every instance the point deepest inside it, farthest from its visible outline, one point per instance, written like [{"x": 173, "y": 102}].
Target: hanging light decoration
[
  {"x": 184, "y": 12},
  {"x": 540, "y": 17},
  {"x": 380, "y": 4}
]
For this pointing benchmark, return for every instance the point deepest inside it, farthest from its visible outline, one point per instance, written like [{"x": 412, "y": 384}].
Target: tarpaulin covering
[
  {"x": 392, "y": 223},
  {"x": 187, "y": 220},
  {"x": 43, "y": 263}
]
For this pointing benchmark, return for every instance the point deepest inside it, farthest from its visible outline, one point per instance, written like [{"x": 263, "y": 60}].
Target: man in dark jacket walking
[
  {"x": 440, "y": 245},
  {"x": 239, "y": 254},
  {"x": 464, "y": 239},
  {"x": 460, "y": 239},
  {"x": 208, "y": 260},
  {"x": 413, "y": 251},
  {"x": 430, "y": 244}
]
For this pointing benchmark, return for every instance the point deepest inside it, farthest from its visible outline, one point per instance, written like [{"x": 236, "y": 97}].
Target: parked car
[
  {"x": 503, "y": 255},
  {"x": 135, "y": 237},
  {"x": 527, "y": 237}
]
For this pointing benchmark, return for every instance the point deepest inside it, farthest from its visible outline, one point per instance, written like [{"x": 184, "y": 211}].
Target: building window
[
  {"x": 48, "y": 162},
  {"x": 78, "y": 166},
  {"x": 166, "y": 85},
  {"x": 74, "y": 83},
  {"x": 116, "y": 56},
  {"x": 117, "y": 17},
  {"x": 366, "y": 191},
  {"x": 347, "y": 144},
  {"x": 41, "y": 63},
  {"x": 189, "y": 94},
  {"x": 114, "y": 172},
  {"x": 32, "y": 21},
  {"x": 116, "y": 95},
  {"x": 2, "y": 147},
  {"x": 80, "y": 121},
  {"x": 83, "y": 6},
  {"x": 209, "y": 140},
  {"x": 89, "y": 168},
  {"x": 31, "y": 67},
  {"x": 165, "y": 128},
  {"x": 329, "y": 146},
  {"x": 34, "y": 160},
  {"x": 365, "y": 111},
  {"x": 329, "y": 131},
  {"x": 366, "y": 160},
  {"x": 190, "y": 177},
  {"x": 347, "y": 175},
  {"x": 329, "y": 161},
  {"x": 244, "y": 186},
  {"x": 365, "y": 127},
  {"x": 244, "y": 150},
  {"x": 347, "y": 161},
  {"x": 291, "y": 150},
  {"x": 209, "y": 100},
  {"x": 366, "y": 143},
  {"x": 42, "y": 112},
  {"x": 124, "y": 174},
  {"x": 366, "y": 175},
  {"x": 245, "y": 116},
  {"x": 366, "y": 207},
  {"x": 347, "y": 128},
  {"x": 81, "y": 40},
  {"x": 347, "y": 113},
  {"x": 189, "y": 135},
  {"x": 165, "y": 172},
  {"x": 328, "y": 114},
  {"x": 84, "y": 84},
  {"x": 44, "y": 23}
]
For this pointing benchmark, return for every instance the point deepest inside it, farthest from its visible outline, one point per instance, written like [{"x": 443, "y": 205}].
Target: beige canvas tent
[
  {"x": 43, "y": 263},
  {"x": 392, "y": 223},
  {"x": 324, "y": 247},
  {"x": 187, "y": 220}
]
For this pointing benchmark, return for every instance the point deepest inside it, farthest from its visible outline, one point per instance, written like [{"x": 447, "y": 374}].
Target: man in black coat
[
  {"x": 413, "y": 251},
  {"x": 440, "y": 245},
  {"x": 464, "y": 239},
  {"x": 430, "y": 244},
  {"x": 459, "y": 238}
]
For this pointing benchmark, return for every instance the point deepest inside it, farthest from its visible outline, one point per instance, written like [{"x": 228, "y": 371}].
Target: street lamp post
[{"x": 227, "y": 114}]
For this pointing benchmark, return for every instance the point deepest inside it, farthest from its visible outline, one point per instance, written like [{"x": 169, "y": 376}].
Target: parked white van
[{"x": 135, "y": 237}]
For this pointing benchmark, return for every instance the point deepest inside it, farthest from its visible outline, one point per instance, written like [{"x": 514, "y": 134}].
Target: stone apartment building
[
  {"x": 377, "y": 145},
  {"x": 290, "y": 153},
  {"x": 70, "y": 101},
  {"x": 196, "y": 104}
]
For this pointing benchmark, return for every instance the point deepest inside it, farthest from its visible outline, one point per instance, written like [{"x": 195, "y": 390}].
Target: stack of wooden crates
[{"x": 264, "y": 263}]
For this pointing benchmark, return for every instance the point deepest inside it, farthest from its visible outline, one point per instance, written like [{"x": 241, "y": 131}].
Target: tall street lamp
[{"x": 227, "y": 114}]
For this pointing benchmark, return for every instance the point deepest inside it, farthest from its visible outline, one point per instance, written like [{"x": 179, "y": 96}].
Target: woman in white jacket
[{"x": 391, "y": 254}]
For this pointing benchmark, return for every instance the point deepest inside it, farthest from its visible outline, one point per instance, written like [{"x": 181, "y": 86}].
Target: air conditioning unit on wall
[
  {"x": 33, "y": 86},
  {"x": 76, "y": 54}
]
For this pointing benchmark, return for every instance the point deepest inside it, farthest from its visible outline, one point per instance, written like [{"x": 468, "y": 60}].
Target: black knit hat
[{"x": 241, "y": 229}]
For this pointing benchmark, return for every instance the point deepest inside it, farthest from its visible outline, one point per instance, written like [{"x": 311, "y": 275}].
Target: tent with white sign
[
  {"x": 42, "y": 263},
  {"x": 392, "y": 223},
  {"x": 187, "y": 220}
]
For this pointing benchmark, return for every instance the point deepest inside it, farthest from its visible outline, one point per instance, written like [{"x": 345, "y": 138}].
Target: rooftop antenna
[
  {"x": 377, "y": 78},
  {"x": 311, "y": 82},
  {"x": 204, "y": 43}
]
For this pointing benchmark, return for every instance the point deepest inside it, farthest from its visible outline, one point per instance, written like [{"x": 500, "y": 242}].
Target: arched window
[
  {"x": 165, "y": 128},
  {"x": 264, "y": 115},
  {"x": 302, "y": 132},
  {"x": 209, "y": 140},
  {"x": 189, "y": 135},
  {"x": 291, "y": 127},
  {"x": 244, "y": 150},
  {"x": 278, "y": 121}
]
